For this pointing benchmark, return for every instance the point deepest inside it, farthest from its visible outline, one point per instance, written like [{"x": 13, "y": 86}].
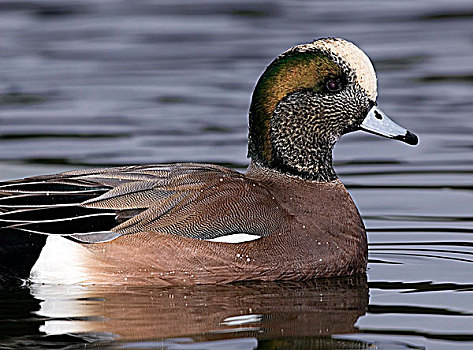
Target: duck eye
[{"x": 334, "y": 85}]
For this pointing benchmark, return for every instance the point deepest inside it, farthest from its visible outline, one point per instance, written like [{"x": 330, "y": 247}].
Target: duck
[{"x": 288, "y": 217}]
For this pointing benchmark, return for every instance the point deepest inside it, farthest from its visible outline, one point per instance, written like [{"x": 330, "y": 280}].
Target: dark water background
[{"x": 96, "y": 83}]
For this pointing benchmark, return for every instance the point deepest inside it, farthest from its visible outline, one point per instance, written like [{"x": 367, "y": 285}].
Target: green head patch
[{"x": 291, "y": 72}]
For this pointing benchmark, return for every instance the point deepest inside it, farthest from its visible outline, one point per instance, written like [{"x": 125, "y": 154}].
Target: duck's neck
[
  {"x": 294, "y": 139},
  {"x": 313, "y": 165},
  {"x": 310, "y": 164},
  {"x": 294, "y": 150}
]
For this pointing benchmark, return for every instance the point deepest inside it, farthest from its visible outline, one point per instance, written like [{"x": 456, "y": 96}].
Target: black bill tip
[{"x": 409, "y": 138}]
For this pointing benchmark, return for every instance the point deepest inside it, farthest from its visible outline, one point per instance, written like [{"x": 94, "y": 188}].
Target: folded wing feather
[{"x": 91, "y": 206}]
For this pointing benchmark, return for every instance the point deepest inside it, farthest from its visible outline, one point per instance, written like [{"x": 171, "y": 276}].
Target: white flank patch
[
  {"x": 235, "y": 238},
  {"x": 60, "y": 262},
  {"x": 242, "y": 320}
]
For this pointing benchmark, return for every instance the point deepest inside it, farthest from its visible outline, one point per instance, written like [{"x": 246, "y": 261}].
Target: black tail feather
[{"x": 18, "y": 253}]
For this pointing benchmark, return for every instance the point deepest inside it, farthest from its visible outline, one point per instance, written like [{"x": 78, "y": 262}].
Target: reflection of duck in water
[
  {"x": 287, "y": 218},
  {"x": 263, "y": 311}
]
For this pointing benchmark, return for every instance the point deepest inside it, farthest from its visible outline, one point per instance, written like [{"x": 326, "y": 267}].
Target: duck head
[{"x": 306, "y": 99}]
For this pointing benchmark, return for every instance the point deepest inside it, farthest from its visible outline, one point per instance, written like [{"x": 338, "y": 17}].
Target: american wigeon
[{"x": 288, "y": 218}]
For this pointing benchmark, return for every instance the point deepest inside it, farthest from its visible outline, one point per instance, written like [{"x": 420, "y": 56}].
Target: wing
[{"x": 199, "y": 201}]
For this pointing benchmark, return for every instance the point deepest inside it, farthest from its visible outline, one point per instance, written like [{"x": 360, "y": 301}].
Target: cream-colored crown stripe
[{"x": 351, "y": 55}]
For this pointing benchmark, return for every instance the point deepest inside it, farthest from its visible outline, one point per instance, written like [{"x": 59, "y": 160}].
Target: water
[{"x": 90, "y": 83}]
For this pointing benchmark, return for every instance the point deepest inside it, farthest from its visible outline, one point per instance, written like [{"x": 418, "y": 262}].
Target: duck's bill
[{"x": 378, "y": 123}]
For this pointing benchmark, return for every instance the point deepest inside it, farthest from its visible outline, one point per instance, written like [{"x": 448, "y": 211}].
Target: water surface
[{"x": 87, "y": 83}]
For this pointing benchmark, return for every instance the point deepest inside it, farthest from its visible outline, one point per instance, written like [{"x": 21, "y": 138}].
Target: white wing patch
[
  {"x": 235, "y": 238},
  {"x": 61, "y": 262}
]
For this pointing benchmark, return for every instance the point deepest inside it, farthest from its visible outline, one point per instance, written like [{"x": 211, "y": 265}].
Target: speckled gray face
[{"x": 306, "y": 124}]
